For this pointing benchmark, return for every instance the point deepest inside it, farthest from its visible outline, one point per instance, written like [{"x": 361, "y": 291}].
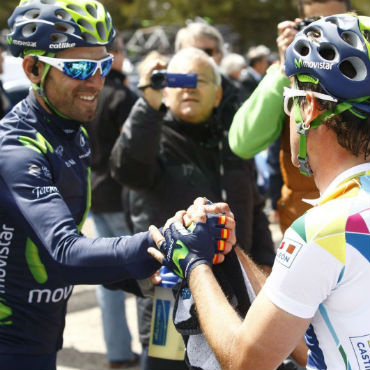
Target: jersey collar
[
  {"x": 338, "y": 181},
  {"x": 63, "y": 126}
]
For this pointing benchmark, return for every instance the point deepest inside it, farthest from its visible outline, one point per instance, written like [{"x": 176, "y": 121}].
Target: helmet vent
[
  {"x": 62, "y": 14},
  {"x": 327, "y": 52},
  {"x": 108, "y": 22},
  {"x": 352, "y": 39},
  {"x": 91, "y": 10},
  {"x": 29, "y": 29},
  {"x": 353, "y": 68},
  {"x": 58, "y": 37},
  {"x": 366, "y": 34},
  {"x": 47, "y": 2},
  {"x": 64, "y": 27},
  {"x": 77, "y": 9},
  {"x": 32, "y": 14},
  {"x": 85, "y": 24},
  {"x": 336, "y": 21},
  {"x": 89, "y": 38},
  {"x": 302, "y": 48},
  {"x": 313, "y": 33},
  {"x": 101, "y": 30}
]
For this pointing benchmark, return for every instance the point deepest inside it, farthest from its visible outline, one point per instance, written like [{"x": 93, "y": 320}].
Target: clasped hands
[{"x": 202, "y": 234}]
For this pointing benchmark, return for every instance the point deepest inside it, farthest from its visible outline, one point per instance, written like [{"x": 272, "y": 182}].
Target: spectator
[
  {"x": 115, "y": 103},
  {"x": 169, "y": 156},
  {"x": 258, "y": 62},
  {"x": 232, "y": 66},
  {"x": 209, "y": 39},
  {"x": 322, "y": 268},
  {"x": 262, "y": 118}
]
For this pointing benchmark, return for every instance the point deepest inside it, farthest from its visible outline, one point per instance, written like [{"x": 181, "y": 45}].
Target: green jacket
[{"x": 259, "y": 121}]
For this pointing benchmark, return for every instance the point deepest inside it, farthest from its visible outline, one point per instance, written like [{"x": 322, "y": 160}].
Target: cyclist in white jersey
[{"x": 320, "y": 284}]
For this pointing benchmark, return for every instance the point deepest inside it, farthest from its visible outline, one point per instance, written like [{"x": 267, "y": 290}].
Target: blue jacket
[{"x": 44, "y": 200}]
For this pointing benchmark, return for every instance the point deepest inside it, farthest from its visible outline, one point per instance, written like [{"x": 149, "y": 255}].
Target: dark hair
[
  {"x": 353, "y": 133},
  {"x": 301, "y": 4}
]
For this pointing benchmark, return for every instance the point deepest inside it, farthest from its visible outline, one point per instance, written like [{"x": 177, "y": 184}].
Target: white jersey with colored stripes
[{"x": 322, "y": 270}]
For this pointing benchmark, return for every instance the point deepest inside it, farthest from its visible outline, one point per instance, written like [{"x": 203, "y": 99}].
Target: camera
[
  {"x": 305, "y": 22},
  {"x": 160, "y": 79}
]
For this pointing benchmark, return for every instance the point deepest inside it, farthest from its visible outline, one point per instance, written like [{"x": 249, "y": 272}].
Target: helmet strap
[
  {"x": 40, "y": 90},
  {"x": 303, "y": 129}
]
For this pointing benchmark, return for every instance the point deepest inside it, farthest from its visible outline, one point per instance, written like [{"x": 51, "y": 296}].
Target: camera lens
[{"x": 158, "y": 79}]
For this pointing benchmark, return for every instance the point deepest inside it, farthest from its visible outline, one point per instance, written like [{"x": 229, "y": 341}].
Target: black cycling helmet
[{"x": 55, "y": 25}]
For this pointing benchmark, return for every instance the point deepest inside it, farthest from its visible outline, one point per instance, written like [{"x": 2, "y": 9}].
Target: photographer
[
  {"x": 170, "y": 153},
  {"x": 261, "y": 119}
]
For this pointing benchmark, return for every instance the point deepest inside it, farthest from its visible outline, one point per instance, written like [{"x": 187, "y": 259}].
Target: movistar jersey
[
  {"x": 44, "y": 200},
  {"x": 322, "y": 270}
]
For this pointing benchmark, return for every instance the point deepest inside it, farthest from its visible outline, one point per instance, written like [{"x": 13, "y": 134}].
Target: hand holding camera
[
  {"x": 152, "y": 96},
  {"x": 154, "y": 78},
  {"x": 286, "y": 33}
]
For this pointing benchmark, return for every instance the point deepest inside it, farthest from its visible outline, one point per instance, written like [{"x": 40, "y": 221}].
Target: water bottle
[{"x": 165, "y": 342}]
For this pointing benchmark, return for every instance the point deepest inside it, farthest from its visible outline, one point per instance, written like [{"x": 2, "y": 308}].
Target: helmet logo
[
  {"x": 30, "y": 44},
  {"x": 10, "y": 40},
  {"x": 62, "y": 45},
  {"x": 298, "y": 63},
  {"x": 312, "y": 65}
]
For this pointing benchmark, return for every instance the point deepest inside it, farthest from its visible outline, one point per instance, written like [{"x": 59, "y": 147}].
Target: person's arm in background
[
  {"x": 133, "y": 159},
  {"x": 259, "y": 121}
]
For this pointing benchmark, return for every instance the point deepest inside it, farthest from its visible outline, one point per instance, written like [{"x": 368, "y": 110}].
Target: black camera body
[
  {"x": 305, "y": 22},
  {"x": 160, "y": 79}
]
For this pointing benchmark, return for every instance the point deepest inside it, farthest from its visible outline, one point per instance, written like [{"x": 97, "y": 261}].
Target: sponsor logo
[
  {"x": 287, "y": 252},
  {"x": 62, "y": 45},
  {"x": 6, "y": 236},
  {"x": 85, "y": 155},
  {"x": 59, "y": 151},
  {"x": 299, "y": 63},
  {"x": 161, "y": 321},
  {"x": 44, "y": 190},
  {"x": 70, "y": 162},
  {"x": 31, "y": 44},
  {"x": 48, "y": 295},
  {"x": 185, "y": 293},
  {"x": 82, "y": 140},
  {"x": 361, "y": 347},
  {"x": 46, "y": 172},
  {"x": 35, "y": 170}
]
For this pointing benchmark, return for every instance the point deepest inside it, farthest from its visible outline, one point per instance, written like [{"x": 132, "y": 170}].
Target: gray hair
[
  {"x": 232, "y": 63},
  {"x": 198, "y": 30},
  {"x": 194, "y": 53},
  {"x": 256, "y": 53}
]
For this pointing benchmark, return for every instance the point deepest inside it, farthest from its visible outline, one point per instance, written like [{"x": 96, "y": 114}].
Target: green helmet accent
[{"x": 56, "y": 25}]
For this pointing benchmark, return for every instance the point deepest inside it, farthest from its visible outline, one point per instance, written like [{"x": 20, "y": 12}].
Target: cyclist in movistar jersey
[
  {"x": 320, "y": 281},
  {"x": 44, "y": 180}
]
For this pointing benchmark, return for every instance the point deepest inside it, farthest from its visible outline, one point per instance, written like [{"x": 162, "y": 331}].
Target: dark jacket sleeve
[
  {"x": 36, "y": 205},
  {"x": 134, "y": 158}
]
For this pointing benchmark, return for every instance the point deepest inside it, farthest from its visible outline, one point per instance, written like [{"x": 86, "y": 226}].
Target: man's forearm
[
  {"x": 255, "y": 275},
  {"x": 214, "y": 313}
]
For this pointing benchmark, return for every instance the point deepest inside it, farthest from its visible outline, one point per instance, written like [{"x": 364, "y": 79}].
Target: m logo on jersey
[
  {"x": 287, "y": 252},
  {"x": 361, "y": 347}
]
